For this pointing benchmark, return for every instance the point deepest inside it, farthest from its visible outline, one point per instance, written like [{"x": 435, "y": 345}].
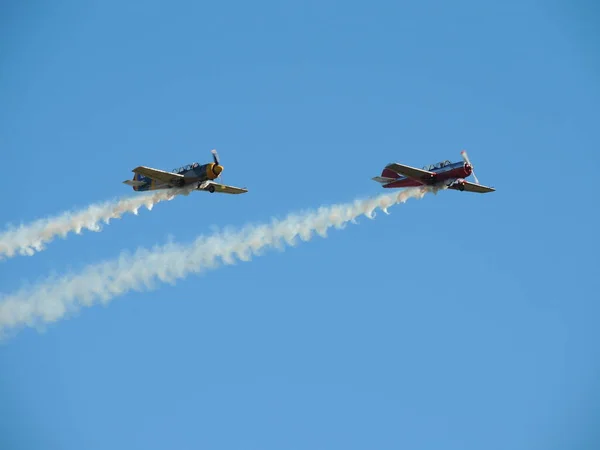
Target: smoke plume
[
  {"x": 52, "y": 299},
  {"x": 31, "y": 238}
]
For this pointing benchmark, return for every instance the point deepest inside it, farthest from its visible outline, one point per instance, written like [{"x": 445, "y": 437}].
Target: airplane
[
  {"x": 200, "y": 176},
  {"x": 453, "y": 175}
]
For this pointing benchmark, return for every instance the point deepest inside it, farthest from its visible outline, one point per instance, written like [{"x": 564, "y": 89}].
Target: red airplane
[{"x": 453, "y": 175}]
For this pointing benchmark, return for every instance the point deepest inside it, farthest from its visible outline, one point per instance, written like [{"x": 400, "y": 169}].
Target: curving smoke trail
[
  {"x": 52, "y": 299},
  {"x": 31, "y": 238}
]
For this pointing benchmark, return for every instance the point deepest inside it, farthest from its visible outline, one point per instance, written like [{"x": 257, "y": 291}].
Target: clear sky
[{"x": 460, "y": 321}]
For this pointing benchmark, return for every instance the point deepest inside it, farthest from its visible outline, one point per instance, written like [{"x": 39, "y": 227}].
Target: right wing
[
  {"x": 411, "y": 172},
  {"x": 479, "y": 188},
  {"x": 160, "y": 175},
  {"x": 224, "y": 189}
]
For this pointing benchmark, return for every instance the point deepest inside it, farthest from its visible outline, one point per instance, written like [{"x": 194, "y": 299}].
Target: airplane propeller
[
  {"x": 466, "y": 159},
  {"x": 217, "y": 162},
  {"x": 215, "y": 156}
]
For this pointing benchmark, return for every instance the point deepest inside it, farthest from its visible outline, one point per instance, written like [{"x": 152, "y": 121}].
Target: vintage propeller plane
[
  {"x": 453, "y": 175},
  {"x": 196, "y": 176}
]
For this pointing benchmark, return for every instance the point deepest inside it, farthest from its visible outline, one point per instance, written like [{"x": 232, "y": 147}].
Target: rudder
[{"x": 388, "y": 173}]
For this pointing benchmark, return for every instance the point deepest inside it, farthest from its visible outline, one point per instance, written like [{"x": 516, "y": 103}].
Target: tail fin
[{"x": 389, "y": 173}]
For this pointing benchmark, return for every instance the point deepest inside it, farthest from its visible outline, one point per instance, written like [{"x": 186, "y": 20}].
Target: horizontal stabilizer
[
  {"x": 383, "y": 180},
  {"x": 134, "y": 183}
]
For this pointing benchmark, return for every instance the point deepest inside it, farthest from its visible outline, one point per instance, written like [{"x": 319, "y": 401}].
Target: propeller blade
[
  {"x": 468, "y": 161},
  {"x": 465, "y": 157},
  {"x": 215, "y": 156}
]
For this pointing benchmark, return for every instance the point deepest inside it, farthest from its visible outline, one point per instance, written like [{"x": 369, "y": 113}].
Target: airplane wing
[
  {"x": 411, "y": 172},
  {"x": 479, "y": 188},
  {"x": 223, "y": 188},
  {"x": 160, "y": 175}
]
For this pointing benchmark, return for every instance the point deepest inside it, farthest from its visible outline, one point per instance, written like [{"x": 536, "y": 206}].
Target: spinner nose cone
[{"x": 217, "y": 169}]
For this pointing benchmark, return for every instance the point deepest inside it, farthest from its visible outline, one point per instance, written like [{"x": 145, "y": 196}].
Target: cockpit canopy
[
  {"x": 185, "y": 168},
  {"x": 437, "y": 166}
]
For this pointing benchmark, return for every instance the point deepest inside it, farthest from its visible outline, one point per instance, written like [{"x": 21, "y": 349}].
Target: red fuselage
[{"x": 449, "y": 172}]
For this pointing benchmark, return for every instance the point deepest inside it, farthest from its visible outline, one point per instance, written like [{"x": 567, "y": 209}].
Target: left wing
[
  {"x": 223, "y": 188},
  {"x": 411, "y": 172},
  {"x": 479, "y": 188},
  {"x": 160, "y": 175}
]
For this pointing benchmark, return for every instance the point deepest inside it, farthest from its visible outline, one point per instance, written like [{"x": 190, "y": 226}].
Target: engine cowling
[
  {"x": 213, "y": 170},
  {"x": 468, "y": 169}
]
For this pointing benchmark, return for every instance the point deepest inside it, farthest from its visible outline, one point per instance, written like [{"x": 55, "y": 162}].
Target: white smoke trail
[
  {"x": 100, "y": 283},
  {"x": 28, "y": 239}
]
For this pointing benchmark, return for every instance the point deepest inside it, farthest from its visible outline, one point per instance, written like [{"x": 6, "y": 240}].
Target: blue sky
[{"x": 459, "y": 321}]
